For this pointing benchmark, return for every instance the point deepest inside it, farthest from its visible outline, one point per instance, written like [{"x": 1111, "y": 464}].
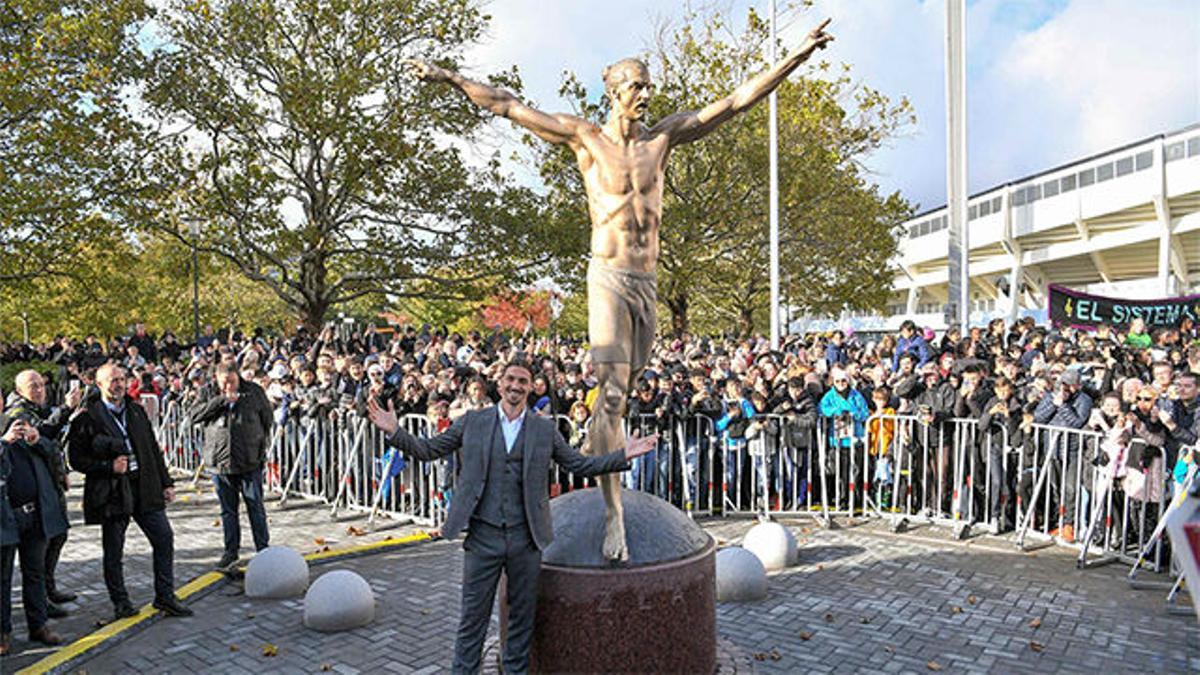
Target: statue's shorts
[{"x": 618, "y": 298}]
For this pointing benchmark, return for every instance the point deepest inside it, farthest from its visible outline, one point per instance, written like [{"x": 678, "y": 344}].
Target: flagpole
[{"x": 774, "y": 202}]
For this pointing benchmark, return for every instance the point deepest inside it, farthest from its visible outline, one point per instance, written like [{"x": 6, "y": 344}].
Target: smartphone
[{"x": 73, "y": 386}]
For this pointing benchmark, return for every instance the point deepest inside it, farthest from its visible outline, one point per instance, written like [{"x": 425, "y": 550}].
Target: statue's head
[{"x": 627, "y": 83}]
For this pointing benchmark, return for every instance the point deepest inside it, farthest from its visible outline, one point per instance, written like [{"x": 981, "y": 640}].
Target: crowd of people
[{"x": 79, "y": 409}]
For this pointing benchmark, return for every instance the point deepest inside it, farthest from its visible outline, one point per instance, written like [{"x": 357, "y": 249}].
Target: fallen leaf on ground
[
  {"x": 760, "y": 656},
  {"x": 889, "y": 649},
  {"x": 270, "y": 650},
  {"x": 805, "y": 635},
  {"x": 319, "y": 541},
  {"x": 829, "y": 617},
  {"x": 325, "y": 667},
  {"x": 864, "y": 620},
  {"x": 933, "y": 665},
  {"x": 217, "y": 522},
  {"x": 355, "y": 531},
  {"x": 1036, "y": 646},
  {"x": 956, "y": 609},
  {"x": 820, "y": 567},
  {"x": 234, "y": 648},
  {"x": 1036, "y": 623},
  {"x": 249, "y": 615},
  {"x": 972, "y": 599}
]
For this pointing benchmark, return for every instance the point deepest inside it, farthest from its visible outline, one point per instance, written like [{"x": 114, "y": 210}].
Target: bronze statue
[{"x": 622, "y": 163}]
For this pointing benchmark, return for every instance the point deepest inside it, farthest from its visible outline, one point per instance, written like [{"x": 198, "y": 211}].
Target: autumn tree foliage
[{"x": 518, "y": 311}]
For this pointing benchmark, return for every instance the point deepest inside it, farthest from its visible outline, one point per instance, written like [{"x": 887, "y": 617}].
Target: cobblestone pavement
[
  {"x": 861, "y": 599},
  {"x": 198, "y": 545}
]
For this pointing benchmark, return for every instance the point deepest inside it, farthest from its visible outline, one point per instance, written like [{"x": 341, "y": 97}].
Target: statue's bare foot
[{"x": 615, "y": 549}]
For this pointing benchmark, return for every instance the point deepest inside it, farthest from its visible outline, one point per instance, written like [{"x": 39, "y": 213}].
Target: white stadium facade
[{"x": 1124, "y": 223}]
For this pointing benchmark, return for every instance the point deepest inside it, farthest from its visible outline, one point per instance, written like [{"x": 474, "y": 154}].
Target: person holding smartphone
[
  {"x": 51, "y": 422},
  {"x": 30, "y": 515}
]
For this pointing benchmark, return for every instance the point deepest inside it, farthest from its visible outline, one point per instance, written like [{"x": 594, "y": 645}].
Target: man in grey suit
[{"x": 502, "y": 501}]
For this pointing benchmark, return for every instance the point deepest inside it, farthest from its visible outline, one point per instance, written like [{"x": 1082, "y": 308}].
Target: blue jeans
[{"x": 249, "y": 486}]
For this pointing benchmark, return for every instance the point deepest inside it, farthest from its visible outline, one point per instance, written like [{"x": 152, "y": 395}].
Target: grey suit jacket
[{"x": 472, "y": 433}]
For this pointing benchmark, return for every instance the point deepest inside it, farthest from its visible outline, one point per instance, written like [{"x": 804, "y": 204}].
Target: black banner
[{"x": 1082, "y": 310}]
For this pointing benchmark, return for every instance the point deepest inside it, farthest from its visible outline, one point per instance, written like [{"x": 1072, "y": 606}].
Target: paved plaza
[{"x": 861, "y": 599}]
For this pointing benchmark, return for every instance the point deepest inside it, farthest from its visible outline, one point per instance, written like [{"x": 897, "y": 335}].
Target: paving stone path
[
  {"x": 862, "y": 599},
  {"x": 198, "y": 545}
]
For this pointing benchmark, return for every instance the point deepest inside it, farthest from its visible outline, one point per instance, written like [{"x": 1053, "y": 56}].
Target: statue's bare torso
[{"x": 624, "y": 183}]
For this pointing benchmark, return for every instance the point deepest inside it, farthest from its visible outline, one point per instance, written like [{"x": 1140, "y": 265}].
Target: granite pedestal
[{"x": 654, "y": 613}]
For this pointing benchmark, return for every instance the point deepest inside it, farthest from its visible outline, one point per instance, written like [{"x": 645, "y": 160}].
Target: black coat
[
  {"x": 94, "y": 441},
  {"x": 50, "y": 507},
  {"x": 50, "y": 423},
  {"x": 235, "y": 440}
]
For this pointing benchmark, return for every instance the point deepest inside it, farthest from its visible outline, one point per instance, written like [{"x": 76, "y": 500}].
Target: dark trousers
[
  {"x": 489, "y": 551},
  {"x": 157, "y": 528},
  {"x": 32, "y": 548},
  {"x": 54, "y": 547},
  {"x": 249, "y": 486}
]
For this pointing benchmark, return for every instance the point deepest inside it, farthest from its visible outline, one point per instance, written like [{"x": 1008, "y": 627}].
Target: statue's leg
[
  {"x": 607, "y": 435},
  {"x": 621, "y": 328}
]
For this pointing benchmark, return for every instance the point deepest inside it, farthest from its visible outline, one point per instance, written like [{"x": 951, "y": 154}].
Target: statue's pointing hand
[
  {"x": 423, "y": 70},
  {"x": 818, "y": 38}
]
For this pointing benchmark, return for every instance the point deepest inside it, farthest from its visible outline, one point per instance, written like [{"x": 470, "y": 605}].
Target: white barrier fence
[{"x": 1049, "y": 484}]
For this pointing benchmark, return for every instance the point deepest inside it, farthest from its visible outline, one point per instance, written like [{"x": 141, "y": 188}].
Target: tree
[
  {"x": 517, "y": 311},
  {"x": 120, "y": 279},
  {"x": 67, "y": 140},
  {"x": 837, "y": 232},
  {"x": 319, "y": 169}
]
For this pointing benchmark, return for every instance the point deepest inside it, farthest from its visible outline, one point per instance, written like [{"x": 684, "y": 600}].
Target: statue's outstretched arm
[
  {"x": 555, "y": 128},
  {"x": 688, "y": 126}
]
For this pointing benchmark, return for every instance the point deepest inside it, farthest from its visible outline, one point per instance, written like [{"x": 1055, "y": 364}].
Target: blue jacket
[
  {"x": 834, "y": 404},
  {"x": 736, "y": 434},
  {"x": 54, "y": 519},
  {"x": 915, "y": 345}
]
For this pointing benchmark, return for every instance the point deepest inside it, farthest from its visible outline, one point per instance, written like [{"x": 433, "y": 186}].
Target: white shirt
[{"x": 510, "y": 428}]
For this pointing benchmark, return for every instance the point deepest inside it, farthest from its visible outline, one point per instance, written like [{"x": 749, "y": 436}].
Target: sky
[{"x": 1048, "y": 81}]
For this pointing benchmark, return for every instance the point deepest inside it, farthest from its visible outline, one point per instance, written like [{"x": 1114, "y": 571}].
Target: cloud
[
  {"x": 1102, "y": 73},
  {"x": 1049, "y": 81}
]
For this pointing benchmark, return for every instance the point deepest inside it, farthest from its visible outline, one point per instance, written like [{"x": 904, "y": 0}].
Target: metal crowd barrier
[{"x": 948, "y": 472}]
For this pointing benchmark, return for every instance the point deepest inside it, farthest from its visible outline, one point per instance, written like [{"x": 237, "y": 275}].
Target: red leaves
[{"x": 517, "y": 311}]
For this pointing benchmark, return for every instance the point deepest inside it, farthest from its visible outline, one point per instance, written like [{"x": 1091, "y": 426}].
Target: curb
[{"x": 195, "y": 587}]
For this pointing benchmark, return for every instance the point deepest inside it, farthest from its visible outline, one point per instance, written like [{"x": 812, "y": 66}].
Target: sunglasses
[{"x": 1147, "y": 398}]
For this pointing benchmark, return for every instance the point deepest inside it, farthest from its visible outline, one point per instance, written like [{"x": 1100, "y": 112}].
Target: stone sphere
[
  {"x": 339, "y": 600},
  {"x": 740, "y": 576},
  {"x": 773, "y": 544},
  {"x": 276, "y": 572},
  {"x": 655, "y": 531}
]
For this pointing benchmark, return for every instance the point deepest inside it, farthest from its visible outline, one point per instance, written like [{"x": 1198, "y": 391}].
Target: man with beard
[
  {"x": 112, "y": 443},
  {"x": 503, "y": 508}
]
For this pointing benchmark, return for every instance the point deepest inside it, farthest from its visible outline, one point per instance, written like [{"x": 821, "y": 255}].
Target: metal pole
[
  {"x": 195, "y": 291},
  {"x": 956, "y": 163},
  {"x": 774, "y": 204}
]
